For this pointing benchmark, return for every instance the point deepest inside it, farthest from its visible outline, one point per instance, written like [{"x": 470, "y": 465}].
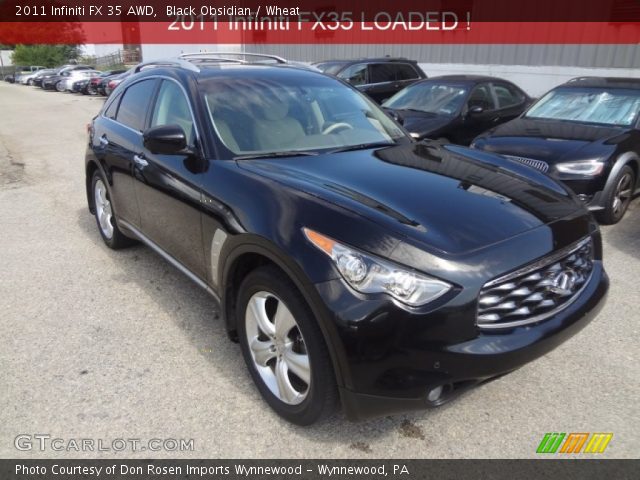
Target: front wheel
[
  {"x": 284, "y": 348},
  {"x": 60, "y": 86},
  {"x": 103, "y": 211},
  {"x": 618, "y": 198}
]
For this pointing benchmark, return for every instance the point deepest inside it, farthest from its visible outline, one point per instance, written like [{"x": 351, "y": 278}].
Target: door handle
[
  {"x": 104, "y": 141},
  {"x": 140, "y": 161}
]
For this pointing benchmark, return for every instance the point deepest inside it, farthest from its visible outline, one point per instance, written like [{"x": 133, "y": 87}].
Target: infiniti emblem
[{"x": 564, "y": 282}]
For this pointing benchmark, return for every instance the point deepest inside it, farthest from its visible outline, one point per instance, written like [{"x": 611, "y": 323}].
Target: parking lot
[{"x": 104, "y": 345}]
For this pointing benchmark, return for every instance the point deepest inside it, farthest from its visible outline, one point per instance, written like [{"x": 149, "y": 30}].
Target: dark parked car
[
  {"x": 456, "y": 108},
  {"x": 39, "y": 77},
  {"x": 349, "y": 260},
  {"x": 585, "y": 133},
  {"x": 109, "y": 83},
  {"x": 96, "y": 86},
  {"x": 380, "y": 78}
]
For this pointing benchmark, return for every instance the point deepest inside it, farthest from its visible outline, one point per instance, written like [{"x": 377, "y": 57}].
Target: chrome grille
[
  {"x": 538, "y": 290},
  {"x": 530, "y": 162}
]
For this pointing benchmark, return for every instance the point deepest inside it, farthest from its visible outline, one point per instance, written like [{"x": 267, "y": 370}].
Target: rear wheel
[
  {"x": 284, "y": 349},
  {"x": 618, "y": 198},
  {"x": 103, "y": 211},
  {"x": 60, "y": 86}
]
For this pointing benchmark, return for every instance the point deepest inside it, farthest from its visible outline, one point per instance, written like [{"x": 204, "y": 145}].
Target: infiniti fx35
[{"x": 352, "y": 264}]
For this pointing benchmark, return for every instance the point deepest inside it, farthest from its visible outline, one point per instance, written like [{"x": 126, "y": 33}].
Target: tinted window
[
  {"x": 481, "y": 97},
  {"x": 355, "y": 74},
  {"x": 135, "y": 103},
  {"x": 507, "y": 96},
  {"x": 112, "y": 109},
  {"x": 172, "y": 108},
  {"x": 382, "y": 72},
  {"x": 405, "y": 71}
]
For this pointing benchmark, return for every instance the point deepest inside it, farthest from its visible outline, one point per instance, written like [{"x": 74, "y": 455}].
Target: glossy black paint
[
  {"x": 461, "y": 215},
  {"x": 468, "y": 121},
  {"x": 558, "y": 141}
]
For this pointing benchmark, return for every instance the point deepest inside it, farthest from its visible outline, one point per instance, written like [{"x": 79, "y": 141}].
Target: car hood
[
  {"x": 549, "y": 140},
  {"x": 447, "y": 198},
  {"x": 421, "y": 123}
]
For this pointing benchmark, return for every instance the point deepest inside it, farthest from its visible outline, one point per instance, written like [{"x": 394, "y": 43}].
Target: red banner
[{"x": 307, "y": 32}]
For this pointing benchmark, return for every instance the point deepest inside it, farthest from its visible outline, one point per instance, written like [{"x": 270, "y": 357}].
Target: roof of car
[
  {"x": 610, "y": 82},
  {"x": 467, "y": 78},
  {"x": 364, "y": 59}
]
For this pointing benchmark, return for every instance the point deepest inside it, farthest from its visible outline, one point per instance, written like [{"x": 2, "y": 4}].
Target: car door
[
  {"x": 511, "y": 101},
  {"x": 406, "y": 74},
  {"x": 118, "y": 138},
  {"x": 480, "y": 113},
  {"x": 382, "y": 81},
  {"x": 168, "y": 186}
]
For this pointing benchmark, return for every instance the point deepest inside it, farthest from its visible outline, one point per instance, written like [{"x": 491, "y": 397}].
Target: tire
[
  {"x": 290, "y": 363},
  {"x": 103, "y": 213},
  {"x": 60, "y": 86},
  {"x": 618, "y": 198},
  {"x": 30, "y": 82}
]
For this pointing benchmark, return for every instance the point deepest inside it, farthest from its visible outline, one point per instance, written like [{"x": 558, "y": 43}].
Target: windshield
[
  {"x": 329, "y": 67},
  {"x": 613, "y": 106},
  {"x": 260, "y": 114},
  {"x": 430, "y": 97}
]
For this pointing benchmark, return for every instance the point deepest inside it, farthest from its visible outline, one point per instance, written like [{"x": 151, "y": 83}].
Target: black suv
[
  {"x": 380, "y": 78},
  {"x": 350, "y": 261},
  {"x": 585, "y": 133}
]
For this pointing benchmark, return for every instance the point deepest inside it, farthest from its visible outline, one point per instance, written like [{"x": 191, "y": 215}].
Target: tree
[{"x": 45, "y": 55}]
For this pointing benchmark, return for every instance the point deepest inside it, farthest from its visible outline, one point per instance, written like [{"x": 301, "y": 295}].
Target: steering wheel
[{"x": 336, "y": 126}]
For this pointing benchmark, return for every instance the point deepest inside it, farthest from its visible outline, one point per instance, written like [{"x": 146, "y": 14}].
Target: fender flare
[
  {"x": 254, "y": 244},
  {"x": 621, "y": 161}
]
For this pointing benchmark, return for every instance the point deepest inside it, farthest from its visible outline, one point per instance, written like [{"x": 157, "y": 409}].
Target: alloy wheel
[
  {"x": 623, "y": 194},
  {"x": 277, "y": 348},
  {"x": 103, "y": 209}
]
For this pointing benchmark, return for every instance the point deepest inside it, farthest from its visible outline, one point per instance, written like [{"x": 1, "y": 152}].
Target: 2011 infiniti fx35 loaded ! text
[{"x": 351, "y": 262}]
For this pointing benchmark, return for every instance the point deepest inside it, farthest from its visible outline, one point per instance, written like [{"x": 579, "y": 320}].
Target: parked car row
[
  {"x": 585, "y": 133},
  {"x": 72, "y": 78}
]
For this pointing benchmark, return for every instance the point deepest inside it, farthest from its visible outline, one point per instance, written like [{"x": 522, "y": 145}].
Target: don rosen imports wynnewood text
[{"x": 202, "y": 470}]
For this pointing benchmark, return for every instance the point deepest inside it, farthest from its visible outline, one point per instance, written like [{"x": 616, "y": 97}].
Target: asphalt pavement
[{"x": 105, "y": 345}]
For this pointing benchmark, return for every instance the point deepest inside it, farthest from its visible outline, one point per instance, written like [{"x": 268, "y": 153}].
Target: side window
[
  {"x": 355, "y": 74},
  {"x": 481, "y": 97},
  {"x": 135, "y": 103},
  {"x": 172, "y": 108},
  {"x": 112, "y": 109},
  {"x": 382, "y": 72},
  {"x": 507, "y": 96},
  {"x": 404, "y": 71}
]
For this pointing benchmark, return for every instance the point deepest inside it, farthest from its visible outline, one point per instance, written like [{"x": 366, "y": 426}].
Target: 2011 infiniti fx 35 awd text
[{"x": 352, "y": 263}]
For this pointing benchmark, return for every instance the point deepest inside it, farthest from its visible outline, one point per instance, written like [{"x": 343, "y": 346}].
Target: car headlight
[
  {"x": 368, "y": 274},
  {"x": 582, "y": 167}
]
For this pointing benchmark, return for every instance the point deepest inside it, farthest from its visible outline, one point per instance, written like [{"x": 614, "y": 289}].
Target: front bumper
[{"x": 392, "y": 358}]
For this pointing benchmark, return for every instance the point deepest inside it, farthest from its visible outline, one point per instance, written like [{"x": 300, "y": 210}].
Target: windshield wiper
[
  {"x": 362, "y": 146},
  {"x": 292, "y": 153}
]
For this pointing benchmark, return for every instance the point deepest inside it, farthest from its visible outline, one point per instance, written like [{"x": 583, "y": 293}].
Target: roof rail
[
  {"x": 167, "y": 62},
  {"x": 219, "y": 56}
]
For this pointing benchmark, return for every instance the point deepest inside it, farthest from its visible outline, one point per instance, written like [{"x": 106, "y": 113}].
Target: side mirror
[
  {"x": 476, "y": 110},
  {"x": 165, "y": 139}
]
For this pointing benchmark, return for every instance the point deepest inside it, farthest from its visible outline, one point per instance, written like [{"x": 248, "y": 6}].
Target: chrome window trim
[{"x": 162, "y": 77}]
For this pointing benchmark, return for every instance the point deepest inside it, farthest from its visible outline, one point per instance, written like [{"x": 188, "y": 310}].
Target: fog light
[{"x": 434, "y": 394}]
